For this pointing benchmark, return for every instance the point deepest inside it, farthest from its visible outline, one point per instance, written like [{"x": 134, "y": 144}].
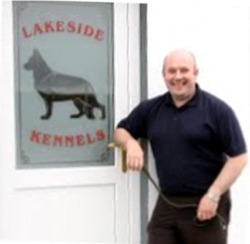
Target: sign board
[{"x": 63, "y": 83}]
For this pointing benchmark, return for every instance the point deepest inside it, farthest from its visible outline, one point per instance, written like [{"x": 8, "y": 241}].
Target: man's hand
[
  {"x": 134, "y": 155},
  {"x": 207, "y": 208}
]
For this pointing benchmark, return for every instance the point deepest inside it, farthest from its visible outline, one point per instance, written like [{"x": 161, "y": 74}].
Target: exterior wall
[{"x": 219, "y": 37}]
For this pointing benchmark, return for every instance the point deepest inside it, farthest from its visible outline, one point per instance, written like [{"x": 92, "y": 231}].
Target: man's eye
[
  {"x": 171, "y": 71},
  {"x": 184, "y": 70}
]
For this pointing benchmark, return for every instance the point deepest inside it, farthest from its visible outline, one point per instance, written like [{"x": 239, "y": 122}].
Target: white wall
[{"x": 219, "y": 37}]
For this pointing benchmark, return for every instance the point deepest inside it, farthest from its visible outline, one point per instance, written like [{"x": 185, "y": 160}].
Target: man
[{"x": 199, "y": 152}]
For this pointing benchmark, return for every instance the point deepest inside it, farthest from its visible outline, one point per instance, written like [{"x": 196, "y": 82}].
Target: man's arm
[
  {"x": 230, "y": 172},
  {"x": 134, "y": 153}
]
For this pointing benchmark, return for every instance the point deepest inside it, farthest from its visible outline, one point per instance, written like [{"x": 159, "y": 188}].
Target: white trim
[
  {"x": 1, "y": 121},
  {"x": 134, "y": 98},
  {"x": 129, "y": 89}
]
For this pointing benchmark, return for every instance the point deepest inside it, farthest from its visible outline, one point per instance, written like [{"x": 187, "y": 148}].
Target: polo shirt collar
[{"x": 192, "y": 102}]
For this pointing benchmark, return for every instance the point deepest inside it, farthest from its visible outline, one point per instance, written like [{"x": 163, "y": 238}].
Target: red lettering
[
  {"x": 99, "y": 34},
  {"x": 71, "y": 26},
  {"x": 58, "y": 140},
  {"x": 79, "y": 29},
  {"x": 60, "y": 26},
  {"x": 66, "y": 140},
  {"x": 89, "y": 139},
  {"x": 88, "y": 30},
  {"x": 100, "y": 135},
  {"x": 80, "y": 140},
  {"x": 48, "y": 26},
  {"x": 37, "y": 29},
  {"x": 69, "y": 141},
  {"x": 46, "y": 139},
  {"x": 35, "y": 136},
  {"x": 25, "y": 33}
]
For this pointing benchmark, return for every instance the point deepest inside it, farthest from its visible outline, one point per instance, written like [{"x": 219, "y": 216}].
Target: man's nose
[{"x": 178, "y": 75}]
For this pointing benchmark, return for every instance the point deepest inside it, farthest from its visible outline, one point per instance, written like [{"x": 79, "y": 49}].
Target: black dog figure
[{"x": 58, "y": 87}]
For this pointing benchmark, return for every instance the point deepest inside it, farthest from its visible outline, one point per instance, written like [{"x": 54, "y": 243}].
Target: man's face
[{"x": 180, "y": 75}]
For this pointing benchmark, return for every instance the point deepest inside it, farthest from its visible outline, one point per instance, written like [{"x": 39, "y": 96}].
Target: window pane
[{"x": 63, "y": 83}]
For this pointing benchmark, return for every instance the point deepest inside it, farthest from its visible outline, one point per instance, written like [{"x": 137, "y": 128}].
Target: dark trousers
[{"x": 170, "y": 225}]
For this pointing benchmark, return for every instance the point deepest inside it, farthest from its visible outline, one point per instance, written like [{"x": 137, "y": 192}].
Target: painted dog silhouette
[{"x": 58, "y": 87}]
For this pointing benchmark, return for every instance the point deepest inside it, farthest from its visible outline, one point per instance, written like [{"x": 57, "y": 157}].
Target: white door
[{"x": 98, "y": 204}]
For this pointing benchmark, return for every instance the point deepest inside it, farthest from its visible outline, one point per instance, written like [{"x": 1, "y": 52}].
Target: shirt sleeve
[
  {"x": 230, "y": 133},
  {"x": 136, "y": 122}
]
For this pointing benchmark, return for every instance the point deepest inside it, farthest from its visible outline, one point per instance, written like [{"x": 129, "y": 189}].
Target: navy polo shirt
[{"x": 190, "y": 144}]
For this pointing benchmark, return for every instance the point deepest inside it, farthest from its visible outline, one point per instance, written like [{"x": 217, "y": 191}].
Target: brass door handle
[{"x": 123, "y": 156}]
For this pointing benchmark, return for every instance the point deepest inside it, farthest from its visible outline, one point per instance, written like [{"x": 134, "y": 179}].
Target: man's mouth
[{"x": 179, "y": 84}]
